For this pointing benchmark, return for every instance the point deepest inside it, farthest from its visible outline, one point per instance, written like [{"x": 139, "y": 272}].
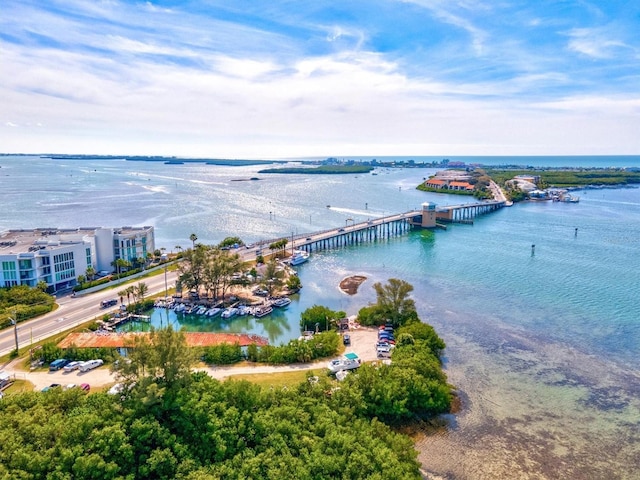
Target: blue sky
[{"x": 273, "y": 79}]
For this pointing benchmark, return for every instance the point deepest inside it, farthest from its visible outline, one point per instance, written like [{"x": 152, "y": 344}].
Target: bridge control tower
[{"x": 427, "y": 218}]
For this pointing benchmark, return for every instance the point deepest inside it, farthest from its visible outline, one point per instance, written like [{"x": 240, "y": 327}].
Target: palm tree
[
  {"x": 130, "y": 290},
  {"x": 122, "y": 294},
  {"x": 120, "y": 263},
  {"x": 178, "y": 248},
  {"x": 90, "y": 272},
  {"x": 193, "y": 237},
  {"x": 141, "y": 290}
]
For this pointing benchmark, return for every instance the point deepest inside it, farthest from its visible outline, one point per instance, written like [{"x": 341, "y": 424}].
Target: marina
[{"x": 549, "y": 365}]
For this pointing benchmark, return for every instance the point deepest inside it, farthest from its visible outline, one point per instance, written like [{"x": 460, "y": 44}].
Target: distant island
[
  {"x": 166, "y": 160},
  {"x": 321, "y": 170}
]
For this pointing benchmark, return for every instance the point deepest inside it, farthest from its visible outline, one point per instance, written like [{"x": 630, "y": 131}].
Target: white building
[{"x": 59, "y": 256}]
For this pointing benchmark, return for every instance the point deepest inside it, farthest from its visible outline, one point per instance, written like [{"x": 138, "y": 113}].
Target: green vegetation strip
[
  {"x": 571, "y": 177},
  {"x": 167, "y": 422}
]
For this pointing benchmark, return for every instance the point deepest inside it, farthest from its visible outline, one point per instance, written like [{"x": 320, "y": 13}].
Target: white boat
[
  {"x": 212, "y": 312},
  {"x": 298, "y": 257},
  {"x": 348, "y": 362},
  {"x": 201, "y": 310},
  {"x": 281, "y": 302},
  {"x": 229, "y": 312},
  {"x": 243, "y": 310},
  {"x": 262, "y": 311}
]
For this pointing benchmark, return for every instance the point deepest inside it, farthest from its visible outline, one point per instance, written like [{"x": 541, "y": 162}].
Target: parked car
[
  {"x": 57, "y": 364},
  {"x": 85, "y": 386},
  {"x": 71, "y": 366},
  {"x": 52, "y": 386},
  {"x": 346, "y": 339},
  {"x": 91, "y": 364}
]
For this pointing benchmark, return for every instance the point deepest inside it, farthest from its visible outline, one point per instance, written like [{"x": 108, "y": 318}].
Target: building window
[{"x": 9, "y": 273}]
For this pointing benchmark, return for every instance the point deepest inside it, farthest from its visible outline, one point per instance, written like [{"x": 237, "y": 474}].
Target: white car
[
  {"x": 70, "y": 367},
  {"x": 91, "y": 364}
]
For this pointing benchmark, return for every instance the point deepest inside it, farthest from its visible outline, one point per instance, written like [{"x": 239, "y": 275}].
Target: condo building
[{"x": 59, "y": 256}]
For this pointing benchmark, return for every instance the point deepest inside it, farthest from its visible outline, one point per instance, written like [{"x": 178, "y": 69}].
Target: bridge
[{"x": 389, "y": 226}]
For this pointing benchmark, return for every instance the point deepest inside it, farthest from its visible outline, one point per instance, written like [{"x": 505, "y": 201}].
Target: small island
[{"x": 351, "y": 284}]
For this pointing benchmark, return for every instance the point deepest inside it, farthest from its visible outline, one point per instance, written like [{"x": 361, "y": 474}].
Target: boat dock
[{"x": 113, "y": 323}]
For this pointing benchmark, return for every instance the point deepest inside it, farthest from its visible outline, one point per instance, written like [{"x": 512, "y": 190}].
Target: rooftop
[
  {"x": 31, "y": 240},
  {"x": 194, "y": 339}
]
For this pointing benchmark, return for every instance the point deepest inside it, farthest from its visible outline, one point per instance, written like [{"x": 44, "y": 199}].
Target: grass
[
  {"x": 280, "y": 379},
  {"x": 19, "y": 386}
]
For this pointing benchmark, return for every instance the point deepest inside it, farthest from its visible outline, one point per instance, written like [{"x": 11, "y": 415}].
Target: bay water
[{"x": 543, "y": 344}]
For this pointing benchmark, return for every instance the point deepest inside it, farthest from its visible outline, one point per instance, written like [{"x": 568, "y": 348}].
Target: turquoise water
[{"x": 544, "y": 348}]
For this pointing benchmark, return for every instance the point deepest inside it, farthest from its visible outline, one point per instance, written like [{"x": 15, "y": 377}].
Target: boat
[
  {"x": 243, "y": 310},
  {"x": 281, "y": 302},
  {"x": 350, "y": 361},
  {"x": 229, "y": 312},
  {"x": 263, "y": 311},
  {"x": 212, "y": 312},
  {"x": 298, "y": 257}
]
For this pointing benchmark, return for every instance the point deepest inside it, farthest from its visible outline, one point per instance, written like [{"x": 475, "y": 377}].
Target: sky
[{"x": 282, "y": 79}]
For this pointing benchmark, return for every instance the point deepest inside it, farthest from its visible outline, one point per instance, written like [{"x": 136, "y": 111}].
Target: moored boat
[
  {"x": 298, "y": 257},
  {"x": 263, "y": 311},
  {"x": 281, "y": 302},
  {"x": 229, "y": 312}
]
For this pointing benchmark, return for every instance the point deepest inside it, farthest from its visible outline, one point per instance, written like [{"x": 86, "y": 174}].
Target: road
[
  {"x": 362, "y": 343},
  {"x": 73, "y": 311}
]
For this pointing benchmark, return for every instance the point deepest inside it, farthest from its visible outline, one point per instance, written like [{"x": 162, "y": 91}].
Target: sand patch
[{"x": 350, "y": 284}]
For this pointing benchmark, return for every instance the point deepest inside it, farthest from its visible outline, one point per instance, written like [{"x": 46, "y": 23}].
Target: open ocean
[{"x": 544, "y": 348}]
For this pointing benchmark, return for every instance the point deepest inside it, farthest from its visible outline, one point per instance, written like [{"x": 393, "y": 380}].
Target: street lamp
[{"x": 165, "y": 285}]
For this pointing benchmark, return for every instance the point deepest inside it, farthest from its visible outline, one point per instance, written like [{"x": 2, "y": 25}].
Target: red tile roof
[{"x": 194, "y": 339}]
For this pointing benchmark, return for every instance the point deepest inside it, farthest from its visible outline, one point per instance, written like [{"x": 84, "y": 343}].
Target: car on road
[
  {"x": 308, "y": 239},
  {"x": 346, "y": 339},
  {"x": 341, "y": 230}
]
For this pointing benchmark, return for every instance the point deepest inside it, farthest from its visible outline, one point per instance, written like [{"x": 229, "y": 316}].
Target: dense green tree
[
  {"x": 192, "y": 268},
  {"x": 272, "y": 277},
  {"x": 423, "y": 332},
  {"x": 230, "y": 242},
  {"x": 393, "y": 301},
  {"x": 293, "y": 283},
  {"x": 322, "y": 317}
]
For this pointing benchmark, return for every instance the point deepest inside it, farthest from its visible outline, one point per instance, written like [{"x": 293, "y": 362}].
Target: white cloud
[{"x": 597, "y": 43}]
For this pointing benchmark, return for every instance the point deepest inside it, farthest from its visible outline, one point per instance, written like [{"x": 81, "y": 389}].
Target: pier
[
  {"x": 465, "y": 213},
  {"x": 430, "y": 216}
]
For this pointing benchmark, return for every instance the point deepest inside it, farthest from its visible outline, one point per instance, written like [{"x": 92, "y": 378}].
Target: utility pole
[{"x": 14, "y": 320}]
